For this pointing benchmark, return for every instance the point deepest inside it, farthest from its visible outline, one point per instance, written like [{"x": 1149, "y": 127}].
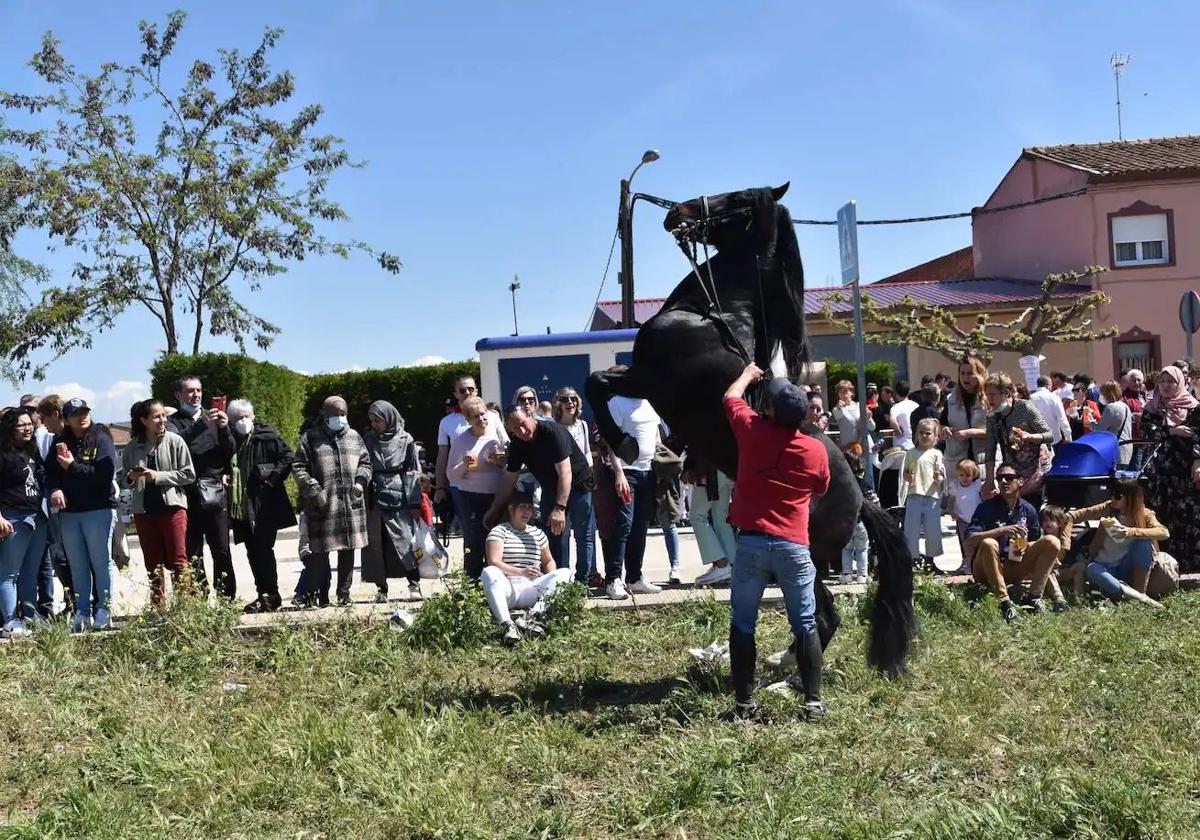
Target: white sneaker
[
  {"x": 673, "y": 579},
  {"x": 102, "y": 621},
  {"x": 511, "y": 635},
  {"x": 715, "y": 576},
  {"x": 16, "y": 629},
  {"x": 861, "y": 579},
  {"x": 641, "y": 586},
  {"x": 845, "y": 578},
  {"x": 616, "y": 591},
  {"x": 414, "y": 592}
]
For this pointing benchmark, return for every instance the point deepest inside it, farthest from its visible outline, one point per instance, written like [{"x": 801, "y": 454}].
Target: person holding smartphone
[
  {"x": 157, "y": 466},
  {"x": 211, "y": 444},
  {"x": 80, "y": 480}
]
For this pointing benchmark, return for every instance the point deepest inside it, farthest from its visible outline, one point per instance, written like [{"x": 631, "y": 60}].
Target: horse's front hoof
[{"x": 627, "y": 449}]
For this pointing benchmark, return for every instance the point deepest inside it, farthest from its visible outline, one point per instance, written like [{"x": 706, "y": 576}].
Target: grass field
[{"x": 1081, "y": 725}]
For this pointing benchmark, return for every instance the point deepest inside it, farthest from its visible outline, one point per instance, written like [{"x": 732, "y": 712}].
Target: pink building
[{"x": 1126, "y": 206}]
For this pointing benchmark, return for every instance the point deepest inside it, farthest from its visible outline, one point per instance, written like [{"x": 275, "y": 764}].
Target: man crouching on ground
[{"x": 780, "y": 469}]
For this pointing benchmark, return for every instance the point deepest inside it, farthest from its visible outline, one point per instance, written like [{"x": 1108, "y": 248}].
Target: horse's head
[
  {"x": 753, "y": 221},
  {"x": 728, "y": 220}
]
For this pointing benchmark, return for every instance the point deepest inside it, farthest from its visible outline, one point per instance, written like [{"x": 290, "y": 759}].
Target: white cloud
[
  {"x": 110, "y": 405},
  {"x": 349, "y": 369},
  {"x": 70, "y": 390},
  {"x": 422, "y": 361}
]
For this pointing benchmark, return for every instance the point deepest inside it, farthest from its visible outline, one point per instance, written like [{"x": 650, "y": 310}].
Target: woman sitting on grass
[
  {"x": 520, "y": 572},
  {"x": 1125, "y": 546}
]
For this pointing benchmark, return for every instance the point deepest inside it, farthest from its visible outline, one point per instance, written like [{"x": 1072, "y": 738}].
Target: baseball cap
[
  {"x": 74, "y": 406},
  {"x": 791, "y": 404}
]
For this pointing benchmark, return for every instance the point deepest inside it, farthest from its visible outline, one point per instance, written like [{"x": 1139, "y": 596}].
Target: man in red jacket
[{"x": 780, "y": 469}]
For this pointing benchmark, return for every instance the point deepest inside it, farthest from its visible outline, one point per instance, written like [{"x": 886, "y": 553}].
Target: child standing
[
  {"x": 962, "y": 497},
  {"x": 924, "y": 475}
]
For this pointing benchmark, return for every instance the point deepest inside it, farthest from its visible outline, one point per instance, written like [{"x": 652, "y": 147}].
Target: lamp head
[{"x": 650, "y": 155}]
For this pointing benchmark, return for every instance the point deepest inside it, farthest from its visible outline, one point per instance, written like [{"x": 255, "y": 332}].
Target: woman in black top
[
  {"x": 22, "y": 522},
  {"x": 79, "y": 476}
]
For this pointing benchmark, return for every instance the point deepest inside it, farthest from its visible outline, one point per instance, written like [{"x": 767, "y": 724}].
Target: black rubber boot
[
  {"x": 808, "y": 667},
  {"x": 742, "y": 656}
]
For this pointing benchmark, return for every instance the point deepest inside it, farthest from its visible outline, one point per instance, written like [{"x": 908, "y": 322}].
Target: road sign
[
  {"x": 1189, "y": 312},
  {"x": 1189, "y": 317},
  {"x": 847, "y": 225}
]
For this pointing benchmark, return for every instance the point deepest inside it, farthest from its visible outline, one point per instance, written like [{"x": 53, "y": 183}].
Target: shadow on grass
[{"x": 592, "y": 704}]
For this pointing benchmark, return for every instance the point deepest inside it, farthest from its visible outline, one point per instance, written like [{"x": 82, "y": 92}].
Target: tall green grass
[{"x": 1080, "y": 725}]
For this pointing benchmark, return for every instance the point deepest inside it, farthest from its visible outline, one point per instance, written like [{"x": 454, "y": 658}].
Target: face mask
[
  {"x": 244, "y": 426},
  {"x": 187, "y": 408},
  {"x": 335, "y": 423},
  {"x": 1003, "y": 407}
]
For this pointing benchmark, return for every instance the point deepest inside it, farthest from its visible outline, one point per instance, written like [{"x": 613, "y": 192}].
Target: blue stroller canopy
[{"x": 1093, "y": 454}]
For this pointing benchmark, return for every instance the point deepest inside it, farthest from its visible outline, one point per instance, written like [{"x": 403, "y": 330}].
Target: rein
[{"x": 687, "y": 234}]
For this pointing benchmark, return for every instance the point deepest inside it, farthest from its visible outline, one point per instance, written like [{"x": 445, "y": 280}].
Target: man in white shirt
[
  {"x": 1050, "y": 406},
  {"x": 1060, "y": 386},
  {"x": 635, "y": 483},
  {"x": 898, "y": 416}
]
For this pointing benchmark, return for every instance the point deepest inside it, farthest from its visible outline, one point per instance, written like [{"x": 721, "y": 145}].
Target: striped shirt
[{"x": 522, "y": 549}]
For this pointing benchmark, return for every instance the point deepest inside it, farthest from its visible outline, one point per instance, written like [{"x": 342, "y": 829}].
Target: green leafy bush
[
  {"x": 419, "y": 394},
  {"x": 456, "y": 618},
  {"x": 565, "y": 605},
  {"x": 881, "y": 373},
  {"x": 277, "y": 392}
]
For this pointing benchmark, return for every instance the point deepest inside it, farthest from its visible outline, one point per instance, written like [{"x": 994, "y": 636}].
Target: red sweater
[{"x": 779, "y": 471}]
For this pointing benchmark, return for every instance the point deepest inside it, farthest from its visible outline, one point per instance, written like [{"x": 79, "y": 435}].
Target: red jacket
[{"x": 779, "y": 471}]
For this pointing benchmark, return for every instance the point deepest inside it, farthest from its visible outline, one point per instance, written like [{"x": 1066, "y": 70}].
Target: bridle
[{"x": 687, "y": 234}]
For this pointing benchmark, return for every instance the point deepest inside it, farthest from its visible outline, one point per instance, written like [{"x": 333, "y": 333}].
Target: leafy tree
[
  {"x": 1053, "y": 318},
  {"x": 225, "y": 192}
]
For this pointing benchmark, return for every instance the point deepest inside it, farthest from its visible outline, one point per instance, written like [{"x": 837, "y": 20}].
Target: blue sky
[{"x": 496, "y": 135}]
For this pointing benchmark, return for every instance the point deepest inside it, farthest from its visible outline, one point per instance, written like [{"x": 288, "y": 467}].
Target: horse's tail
[{"x": 893, "y": 623}]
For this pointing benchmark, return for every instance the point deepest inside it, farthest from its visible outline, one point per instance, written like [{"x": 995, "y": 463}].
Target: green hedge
[
  {"x": 277, "y": 393},
  {"x": 881, "y": 373},
  {"x": 419, "y": 394}
]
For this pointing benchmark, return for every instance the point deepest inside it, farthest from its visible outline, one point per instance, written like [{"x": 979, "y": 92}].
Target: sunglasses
[
  {"x": 568, "y": 399},
  {"x": 528, "y": 398},
  {"x": 465, "y": 391},
  {"x": 1007, "y": 477}
]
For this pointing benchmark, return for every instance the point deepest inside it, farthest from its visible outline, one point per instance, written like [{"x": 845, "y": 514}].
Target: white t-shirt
[
  {"x": 455, "y": 423},
  {"x": 966, "y": 499},
  {"x": 1050, "y": 407},
  {"x": 522, "y": 549},
  {"x": 638, "y": 419},
  {"x": 900, "y": 414}
]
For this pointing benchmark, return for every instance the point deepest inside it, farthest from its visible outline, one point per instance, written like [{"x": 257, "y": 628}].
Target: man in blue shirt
[{"x": 1006, "y": 538}]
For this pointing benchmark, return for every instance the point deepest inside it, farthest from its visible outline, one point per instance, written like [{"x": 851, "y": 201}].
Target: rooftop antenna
[{"x": 1119, "y": 61}]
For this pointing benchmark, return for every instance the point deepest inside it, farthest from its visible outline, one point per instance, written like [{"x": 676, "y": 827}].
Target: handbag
[
  {"x": 211, "y": 493},
  {"x": 433, "y": 561}
]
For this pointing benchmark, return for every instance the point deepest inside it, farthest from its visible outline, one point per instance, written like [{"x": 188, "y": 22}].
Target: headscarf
[
  {"x": 791, "y": 405},
  {"x": 1174, "y": 410},
  {"x": 390, "y": 446},
  {"x": 334, "y": 404}
]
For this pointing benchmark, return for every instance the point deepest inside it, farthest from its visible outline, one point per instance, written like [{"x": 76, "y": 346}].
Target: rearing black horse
[{"x": 746, "y": 303}]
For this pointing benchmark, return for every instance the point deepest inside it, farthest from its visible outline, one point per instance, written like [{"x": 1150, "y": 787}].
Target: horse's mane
[{"x": 776, "y": 237}]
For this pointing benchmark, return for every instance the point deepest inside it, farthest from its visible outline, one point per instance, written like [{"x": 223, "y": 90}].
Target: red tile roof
[
  {"x": 957, "y": 264},
  {"x": 1127, "y": 159},
  {"x": 965, "y": 292}
]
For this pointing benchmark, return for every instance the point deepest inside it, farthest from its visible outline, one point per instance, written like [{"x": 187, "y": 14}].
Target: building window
[
  {"x": 1141, "y": 235},
  {"x": 1137, "y": 348}
]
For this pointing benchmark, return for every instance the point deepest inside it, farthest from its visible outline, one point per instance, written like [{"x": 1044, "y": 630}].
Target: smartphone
[{"x": 218, "y": 403}]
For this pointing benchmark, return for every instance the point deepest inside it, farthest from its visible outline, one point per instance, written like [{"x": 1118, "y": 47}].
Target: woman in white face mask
[
  {"x": 1018, "y": 431},
  {"x": 258, "y": 501},
  {"x": 332, "y": 469}
]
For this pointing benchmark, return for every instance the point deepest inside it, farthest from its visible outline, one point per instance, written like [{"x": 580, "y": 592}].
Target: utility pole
[
  {"x": 512, "y": 287},
  {"x": 625, "y": 230},
  {"x": 1119, "y": 61}
]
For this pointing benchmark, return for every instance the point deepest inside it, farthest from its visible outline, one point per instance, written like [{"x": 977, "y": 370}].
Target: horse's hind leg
[{"x": 601, "y": 386}]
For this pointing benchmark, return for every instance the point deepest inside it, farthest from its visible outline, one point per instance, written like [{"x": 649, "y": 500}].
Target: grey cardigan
[{"x": 174, "y": 472}]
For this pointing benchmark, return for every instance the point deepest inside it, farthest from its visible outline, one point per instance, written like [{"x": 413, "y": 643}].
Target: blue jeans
[
  {"x": 761, "y": 559},
  {"x": 20, "y": 558},
  {"x": 87, "y": 539},
  {"x": 633, "y": 520},
  {"x": 671, "y": 538},
  {"x": 581, "y": 521},
  {"x": 923, "y": 513},
  {"x": 1108, "y": 579},
  {"x": 854, "y": 554}
]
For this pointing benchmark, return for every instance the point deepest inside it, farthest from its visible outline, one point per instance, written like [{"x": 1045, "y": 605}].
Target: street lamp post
[
  {"x": 512, "y": 287},
  {"x": 625, "y": 229}
]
